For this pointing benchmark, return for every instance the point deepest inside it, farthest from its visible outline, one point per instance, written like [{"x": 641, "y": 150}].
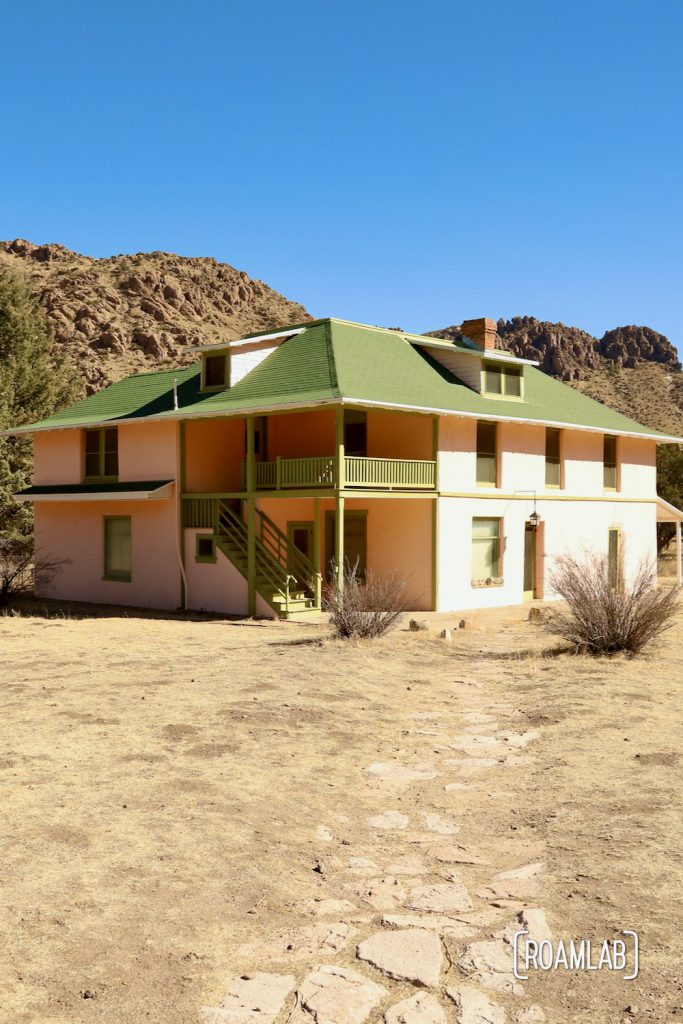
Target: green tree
[
  {"x": 35, "y": 381},
  {"x": 669, "y": 486}
]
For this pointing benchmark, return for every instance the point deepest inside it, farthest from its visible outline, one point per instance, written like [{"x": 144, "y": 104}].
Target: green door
[
  {"x": 614, "y": 557},
  {"x": 355, "y": 541},
  {"x": 300, "y": 537},
  {"x": 529, "y": 562}
]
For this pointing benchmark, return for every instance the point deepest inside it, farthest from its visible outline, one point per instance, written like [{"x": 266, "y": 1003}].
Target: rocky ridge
[
  {"x": 570, "y": 353},
  {"x": 124, "y": 314},
  {"x": 131, "y": 313}
]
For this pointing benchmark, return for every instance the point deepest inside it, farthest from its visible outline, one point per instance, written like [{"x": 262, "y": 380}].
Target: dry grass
[{"x": 164, "y": 781}]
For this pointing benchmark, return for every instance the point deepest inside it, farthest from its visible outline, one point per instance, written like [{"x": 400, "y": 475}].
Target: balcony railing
[{"x": 382, "y": 474}]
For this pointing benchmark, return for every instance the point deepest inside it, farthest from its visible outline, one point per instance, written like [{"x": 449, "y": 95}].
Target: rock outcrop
[
  {"x": 123, "y": 314},
  {"x": 570, "y": 353}
]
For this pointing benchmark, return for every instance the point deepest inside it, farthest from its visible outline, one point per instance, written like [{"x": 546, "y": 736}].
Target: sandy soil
[{"x": 177, "y": 793}]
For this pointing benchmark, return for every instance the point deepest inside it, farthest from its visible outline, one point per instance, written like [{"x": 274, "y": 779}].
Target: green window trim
[
  {"x": 610, "y": 472},
  {"x": 500, "y": 380},
  {"x": 487, "y": 562},
  {"x": 101, "y": 455},
  {"x": 205, "y": 547},
  {"x": 118, "y": 549},
  {"x": 487, "y": 454},
  {"x": 553, "y": 457},
  {"x": 215, "y": 371},
  {"x": 614, "y": 557}
]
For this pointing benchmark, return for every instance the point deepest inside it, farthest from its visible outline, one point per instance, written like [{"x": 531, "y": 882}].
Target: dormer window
[
  {"x": 501, "y": 380},
  {"x": 215, "y": 371}
]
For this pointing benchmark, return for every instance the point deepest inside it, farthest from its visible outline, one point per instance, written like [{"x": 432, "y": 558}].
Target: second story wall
[
  {"x": 521, "y": 461},
  {"x": 147, "y": 451},
  {"x": 302, "y": 435},
  {"x": 399, "y": 435},
  {"x": 214, "y": 450},
  {"x": 58, "y": 457}
]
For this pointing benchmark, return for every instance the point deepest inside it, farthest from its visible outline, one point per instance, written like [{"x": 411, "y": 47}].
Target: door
[
  {"x": 529, "y": 562},
  {"x": 300, "y": 537},
  {"x": 355, "y": 433},
  {"x": 614, "y": 557},
  {"x": 355, "y": 541}
]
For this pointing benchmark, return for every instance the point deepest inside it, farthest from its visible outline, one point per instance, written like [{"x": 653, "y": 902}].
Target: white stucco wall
[{"x": 567, "y": 527}]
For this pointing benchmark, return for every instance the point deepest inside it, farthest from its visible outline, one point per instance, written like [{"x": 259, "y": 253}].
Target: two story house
[{"x": 239, "y": 484}]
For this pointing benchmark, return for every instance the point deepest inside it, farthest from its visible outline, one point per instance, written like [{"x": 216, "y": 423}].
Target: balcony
[{"x": 361, "y": 473}]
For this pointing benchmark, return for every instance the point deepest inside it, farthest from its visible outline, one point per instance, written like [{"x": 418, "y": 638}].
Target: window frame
[
  {"x": 498, "y": 579},
  {"x": 117, "y": 577},
  {"x": 609, "y": 465},
  {"x": 101, "y": 476},
  {"x": 198, "y": 557},
  {"x": 560, "y": 458},
  {"x": 496, "y": 454},
  {"x": 225, "y": 356},
  {"x": 615, "y": 573},
  {"x": 503, "y": 370}
]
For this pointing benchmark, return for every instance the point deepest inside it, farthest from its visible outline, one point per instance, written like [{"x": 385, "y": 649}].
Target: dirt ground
[{"x": 180, "y": 798}]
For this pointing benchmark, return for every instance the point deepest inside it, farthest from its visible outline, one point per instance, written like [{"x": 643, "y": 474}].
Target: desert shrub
[
  {"x": 21, "y": 570},
  {"x": 605, "y": 616},
  {"x": 365, "y": 608}
]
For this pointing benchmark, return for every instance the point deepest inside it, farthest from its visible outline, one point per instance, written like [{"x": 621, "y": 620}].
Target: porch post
[
  {"x": 317, "y": 543},
  {"x": 340, "y": 460},
  {"x": 180, "y": 490},
  {"x": 340, "y": 474},
  {"x": 679, "y": 553},
  {"x": 251, "y": 518},
  {"x": 339, "y": 539}
]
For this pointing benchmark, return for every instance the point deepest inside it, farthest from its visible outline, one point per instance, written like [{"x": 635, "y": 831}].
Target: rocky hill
[
  {"x": 633, "y": 369},
  {"x": 123, "y": 314}
]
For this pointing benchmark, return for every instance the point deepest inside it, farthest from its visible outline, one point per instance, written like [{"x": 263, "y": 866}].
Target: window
[
  {"x": 205, "y": 548},
  {"x": 487, "y": 454},
  {"x": 553, "y": 465},
  {"x": 609, "y": 459},
  {"x": 215, "y": 372},
  {"x": 102, "y": 454},
  {"x": 486, "y": 560},
  {"x": 117, "y": 548},
  {"x": 500, "y": 379}
]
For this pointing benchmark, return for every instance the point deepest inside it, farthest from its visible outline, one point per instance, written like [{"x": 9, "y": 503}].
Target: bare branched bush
[
  {"x": 22, "y": 569},
  {"x": 604, "y": 614},
  {"x": 365, "y": 608}
]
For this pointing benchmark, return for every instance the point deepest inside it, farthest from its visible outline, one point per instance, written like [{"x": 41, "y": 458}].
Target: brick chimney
[{"x": 481, "y": 331}]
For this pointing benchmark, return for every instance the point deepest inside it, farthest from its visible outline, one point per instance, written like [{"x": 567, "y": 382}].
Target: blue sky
[{"x": 394, "y": 163}]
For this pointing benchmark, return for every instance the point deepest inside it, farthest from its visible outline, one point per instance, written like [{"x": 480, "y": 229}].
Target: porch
[{"x": 346, "y": 472}]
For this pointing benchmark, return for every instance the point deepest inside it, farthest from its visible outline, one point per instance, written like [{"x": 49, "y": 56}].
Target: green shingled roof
[{"x": 333, "y": 360}]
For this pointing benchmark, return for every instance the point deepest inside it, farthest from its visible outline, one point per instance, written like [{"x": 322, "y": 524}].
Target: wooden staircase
[{"x": 285, "y": 578}]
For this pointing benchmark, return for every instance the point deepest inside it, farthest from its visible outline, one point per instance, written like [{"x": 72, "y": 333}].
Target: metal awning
[
  {"x": 128, "y": 490},
  {"x": 668, "y": 513}
]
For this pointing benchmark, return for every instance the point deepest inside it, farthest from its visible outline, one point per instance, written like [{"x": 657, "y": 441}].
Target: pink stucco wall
[
  {"x": 147, "y": 451},
  {"x": 397, "y": 435},
  {"x": 306, "y": 434},
  {"x": 214, "y": 450},
  {"x": 58, "y": 457},
  {"x": 399, "y": 535},
  {"x": 75, "y": 531},
  {"x": 217, "y": 586}
]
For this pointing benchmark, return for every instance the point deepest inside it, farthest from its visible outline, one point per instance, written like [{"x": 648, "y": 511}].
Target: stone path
[{"x": 419, "y": 924}]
